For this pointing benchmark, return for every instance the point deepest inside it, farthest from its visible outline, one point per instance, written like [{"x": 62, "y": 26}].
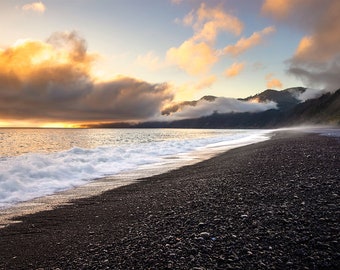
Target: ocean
[{"x": 39, "y": 162}]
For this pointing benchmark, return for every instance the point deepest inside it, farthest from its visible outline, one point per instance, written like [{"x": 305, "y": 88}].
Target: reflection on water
[{"x": 15, "y": 142}]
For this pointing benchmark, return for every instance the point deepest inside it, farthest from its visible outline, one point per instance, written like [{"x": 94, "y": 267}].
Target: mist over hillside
[{"x": 268, "y": 109}]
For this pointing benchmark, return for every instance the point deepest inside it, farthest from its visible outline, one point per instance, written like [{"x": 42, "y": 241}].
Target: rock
[{"x": 205, "y": 235}]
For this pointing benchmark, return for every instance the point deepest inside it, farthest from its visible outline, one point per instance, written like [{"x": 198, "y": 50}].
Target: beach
[{"x": 269, "y": 205}]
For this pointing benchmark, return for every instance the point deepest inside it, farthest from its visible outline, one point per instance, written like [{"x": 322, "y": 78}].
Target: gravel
[{"x": 270, "y": 205}]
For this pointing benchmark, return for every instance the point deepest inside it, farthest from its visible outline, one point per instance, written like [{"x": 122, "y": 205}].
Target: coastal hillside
[
  {"x": 324, "y": 110},
  {"x": 285, "y": 99},
  {"x": 294, "y": 106}
]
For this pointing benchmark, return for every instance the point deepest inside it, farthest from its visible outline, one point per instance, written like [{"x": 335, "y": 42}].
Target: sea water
[{"x": 40, "y": 162}]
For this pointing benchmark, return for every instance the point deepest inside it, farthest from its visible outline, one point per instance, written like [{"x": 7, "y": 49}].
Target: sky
[{"x": 65, "y": 63}]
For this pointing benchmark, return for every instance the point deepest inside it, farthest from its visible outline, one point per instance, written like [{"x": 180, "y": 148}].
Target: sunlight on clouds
[
  {"x": 13, "y": 123},
  {"x": 304, "y": 45},
  {"x": 52, "y": 83},
  {"x": 234, "y": 70},
  {"x": 194, "y": 58},
  {"x": 58, "y": 125},
  {"x": 279, "y": 8},
  {"x": 28, "y": 57},
  {"x": 245, "y": 44},
  {"x": 36, "y": 6},
  {"x": 29, "y": 123},
  {"x": 273, "y": 82},
  {"x": 197, "y": 54},
  {"x": 316, "y": 60},
  {"x": 210, "y": 21}
]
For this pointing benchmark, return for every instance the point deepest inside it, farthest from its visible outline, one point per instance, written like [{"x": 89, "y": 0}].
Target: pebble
[
  {"x": 205, "y": 235},
  {"x": 192, "y": 220}
]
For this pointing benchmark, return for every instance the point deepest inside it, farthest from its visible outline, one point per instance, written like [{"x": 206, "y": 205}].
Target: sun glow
[
  {"x": 59, "y": 125},
  {"x": 30, "y": 124}
]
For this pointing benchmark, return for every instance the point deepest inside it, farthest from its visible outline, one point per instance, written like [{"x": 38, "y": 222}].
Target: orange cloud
[
  {"x": 317, "y": 58},
  {"x": 194, "y": 58},
  {"x": 52, "y": 82},
  {"x": 36, "y": 6},
  {"x": 27, "y": 58},
  {"x": 210, "y": 21},
  {"x": 279, "y": 8},
  {"x": 273, "y": 82},
  {"x": 304, "y": 45},
  {"x": 245, "y": 44},
  {"x": 322, "y": 44},
  {"x": 197, "y": 54},
  {"x": 234, "y": 70}
]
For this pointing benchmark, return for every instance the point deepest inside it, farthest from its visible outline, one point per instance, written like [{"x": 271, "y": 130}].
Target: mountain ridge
[{"x": 290, "y": 111}]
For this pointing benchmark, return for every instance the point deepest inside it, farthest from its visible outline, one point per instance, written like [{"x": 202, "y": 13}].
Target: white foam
[{"x": 29, "y": 176}]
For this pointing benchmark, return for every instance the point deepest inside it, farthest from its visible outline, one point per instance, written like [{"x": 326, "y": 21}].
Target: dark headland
[{"x": 270, "y": 205}]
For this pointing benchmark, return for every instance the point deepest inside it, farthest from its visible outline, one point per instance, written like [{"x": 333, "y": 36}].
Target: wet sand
[{"x": 270, "y": 205}]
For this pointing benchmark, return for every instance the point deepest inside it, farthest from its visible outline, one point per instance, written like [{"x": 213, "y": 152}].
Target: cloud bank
[
  {"x": 209, "y": 105},
  {"x": 317, "y": 58},
  {"x": 51, "y": 81},
  {"x": 309, "y": 93}
]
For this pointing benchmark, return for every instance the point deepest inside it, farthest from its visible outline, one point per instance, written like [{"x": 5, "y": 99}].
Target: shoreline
[
  {"x": 273, "y": 204},
  {"x": 97, "y": 186}
]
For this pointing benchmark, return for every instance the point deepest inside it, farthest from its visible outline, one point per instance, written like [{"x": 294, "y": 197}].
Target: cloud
[
  {"x": 194, "y": 58},
  {"x": 188, "y": 19},
  {"x": 317, "y": 56},
  {"x": 245, "y": 44},
  {"x": 150, "y": 61},
  {"x": 279, "y": 8},
  {"x": 176, "y": 2},
  {"x": 323, "y": 75},
  {"x": 210, "y": 21},
  {"x": 52, "y": 81},
  {"x": 125, "y": 99},
  {"x": 235, "y": 69},
  {"x": 197, "y": 54},
  {"x": 221, "y": 105},
  {"x": 36, "y": 7},
  {"x": 309, "y": 93},
  {"x": 273, "y": 82}
]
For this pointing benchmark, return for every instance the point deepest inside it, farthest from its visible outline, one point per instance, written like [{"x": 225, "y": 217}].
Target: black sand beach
[{"x": 271, "y": 205}]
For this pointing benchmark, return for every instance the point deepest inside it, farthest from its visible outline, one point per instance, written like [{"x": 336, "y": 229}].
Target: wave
[{"x": 33, "y": 175}]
